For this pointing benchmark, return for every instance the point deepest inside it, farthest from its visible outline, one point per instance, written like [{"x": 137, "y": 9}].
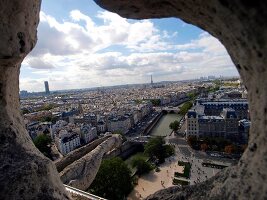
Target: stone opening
[{"x": 240, "y": 25}]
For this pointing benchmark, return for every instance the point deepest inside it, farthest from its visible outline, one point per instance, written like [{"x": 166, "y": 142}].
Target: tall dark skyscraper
[
  {"x": 151, "y": 80},
  {"x": 46, "y": 87}
]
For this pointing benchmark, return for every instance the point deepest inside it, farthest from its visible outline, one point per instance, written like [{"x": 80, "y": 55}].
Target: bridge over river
[
  {"x": 140, "y": 139},
  {"x": 168, "y": 109}
]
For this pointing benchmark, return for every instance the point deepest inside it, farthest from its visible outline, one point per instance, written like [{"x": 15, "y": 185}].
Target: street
[{"x": 198, "y": 173}]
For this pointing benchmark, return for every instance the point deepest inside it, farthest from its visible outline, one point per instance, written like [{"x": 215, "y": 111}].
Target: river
[{"x": 162, "y": 126}]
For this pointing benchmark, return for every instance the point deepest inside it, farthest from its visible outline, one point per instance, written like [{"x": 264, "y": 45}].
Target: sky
[{"x": 81, "y": 45}]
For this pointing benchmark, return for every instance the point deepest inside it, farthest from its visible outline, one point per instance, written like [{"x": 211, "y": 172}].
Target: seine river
[{"x": 162, "y": 127}]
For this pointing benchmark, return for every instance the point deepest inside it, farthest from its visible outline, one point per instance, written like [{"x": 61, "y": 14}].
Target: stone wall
[
  {"x": 152, "y": 124},
  {"x": 24, "y": 172},
  {"x": 78, "y": 153},
  {"x": 124, "y": 151},
  {"x": 240, "y": 25},
  {"x": 81, "y": 173}
]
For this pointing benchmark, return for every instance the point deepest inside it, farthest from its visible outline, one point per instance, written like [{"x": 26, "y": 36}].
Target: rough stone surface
[
  {"x": 78, "y": 153},
  {"x": 19, "y": 20},
  {"x": 241, "y": 26},
  {"x": 24, "y": 172},
  {"x": 81, "y": 173}
]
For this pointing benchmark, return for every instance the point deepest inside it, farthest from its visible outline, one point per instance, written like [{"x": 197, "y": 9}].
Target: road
[
  {"x": 141, "y": 125},
  {"x": 186, "y": 153}
]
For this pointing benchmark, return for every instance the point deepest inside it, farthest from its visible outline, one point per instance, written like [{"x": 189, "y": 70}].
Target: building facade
[
  {"x": 47, "y": 91},
  {"x": 120, "y": 123},
  {"x": 67, "y": 141},
  {"x": 101, "y": 126},
  {"x": 214, "y": 108},
  {"x": 88, "y": 133},
  {"x": 201, "y": 125},
  {"x": 244, "y": 126}
]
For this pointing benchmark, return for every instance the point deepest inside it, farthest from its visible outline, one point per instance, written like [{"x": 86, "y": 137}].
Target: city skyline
[
  {"x": 203, "y": 78},
  {"x": 85, "y": 48}
]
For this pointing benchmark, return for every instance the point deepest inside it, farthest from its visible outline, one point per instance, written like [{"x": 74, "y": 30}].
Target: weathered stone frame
[
  {"x": 24, "y": 172},
  {"x": 240, "y": 25}
]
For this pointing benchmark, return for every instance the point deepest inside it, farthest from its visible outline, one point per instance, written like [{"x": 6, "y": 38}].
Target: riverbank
[
  {"x": 162, "y": 127},
  {"x": 153, "y": 181}
]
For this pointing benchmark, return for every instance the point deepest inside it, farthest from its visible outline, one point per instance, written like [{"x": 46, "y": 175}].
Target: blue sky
[{"x": 81, "y": 45}]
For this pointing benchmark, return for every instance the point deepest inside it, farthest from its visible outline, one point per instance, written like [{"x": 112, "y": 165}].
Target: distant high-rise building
[
  {"x": 203, "y": 78},
  {"x": 23, "y": 93},
  {"x": 46, "y": 87},
  {"x": 151, "y": 80},
  {"x": 211, "y": 77}
]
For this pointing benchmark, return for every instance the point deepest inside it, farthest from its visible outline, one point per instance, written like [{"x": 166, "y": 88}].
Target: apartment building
[
  {"x": 67, "y": 141},
  {"x": 88, "y": 133},
  {"x": 200, "y": 125}
]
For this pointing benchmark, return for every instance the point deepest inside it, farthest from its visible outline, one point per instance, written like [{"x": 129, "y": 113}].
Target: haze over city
[{"x": 89, "y": 47}]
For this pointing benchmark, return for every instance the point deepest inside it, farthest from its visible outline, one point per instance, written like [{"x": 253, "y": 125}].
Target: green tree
[
  {"x": 138, "y": 101},
  {"x": 113, "y": 180},
  {"x": 192, "y": 96},
  {"x": 155, "y": 102},
  {"x": 174, "y": 125},
  {"x": 43, "y": 142},
  {"x": 169, "y": 150},
  {"x": 46, "y": 119},
  {"x": 141, "y": 164},
  {"x": 214, "y": 88},
  {"x": 25, "y": 111},
  {"x": 46, "y": 107},
  {"x": 186, "y": 106},
  {"x": 155, "y": 148},
  {"x": 217, "y": 82}
]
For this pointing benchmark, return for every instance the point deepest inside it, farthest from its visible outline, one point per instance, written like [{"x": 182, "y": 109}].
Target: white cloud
[
  {"x": 206, "y": 43},
  {"x": 38, "y": 63},
  {"x": 72, "y": 37},
  {"x": 68, "y": 54}
]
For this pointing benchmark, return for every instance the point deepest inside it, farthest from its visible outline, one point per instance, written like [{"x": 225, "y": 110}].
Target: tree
[
  {"x": 214, "y": 88},
  {"x": 155, "y": 102},
  {"x": 169, "y": 150},
  {"x": 138, "y": 101},
  {"x": 229, "y": 149},
  {"x": 192, "y": 96},
  {"x": 46, "y": 119},
  {"x": 25, "y": 111},
  {"x": 186, "y": 106},
  {"x": 217, "y": 82},
  {"x": 192, "y": 140},
  {"x": 155, "y": 148},
  {"x": 141, "y": 164},
  {"x": 48, "y": 106},
  {"x": 42, "y": 142},
  {"x": 113, "y": 180},
  {"x": 204, "y": 147},
  {"x": 174, "y": 125}
]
